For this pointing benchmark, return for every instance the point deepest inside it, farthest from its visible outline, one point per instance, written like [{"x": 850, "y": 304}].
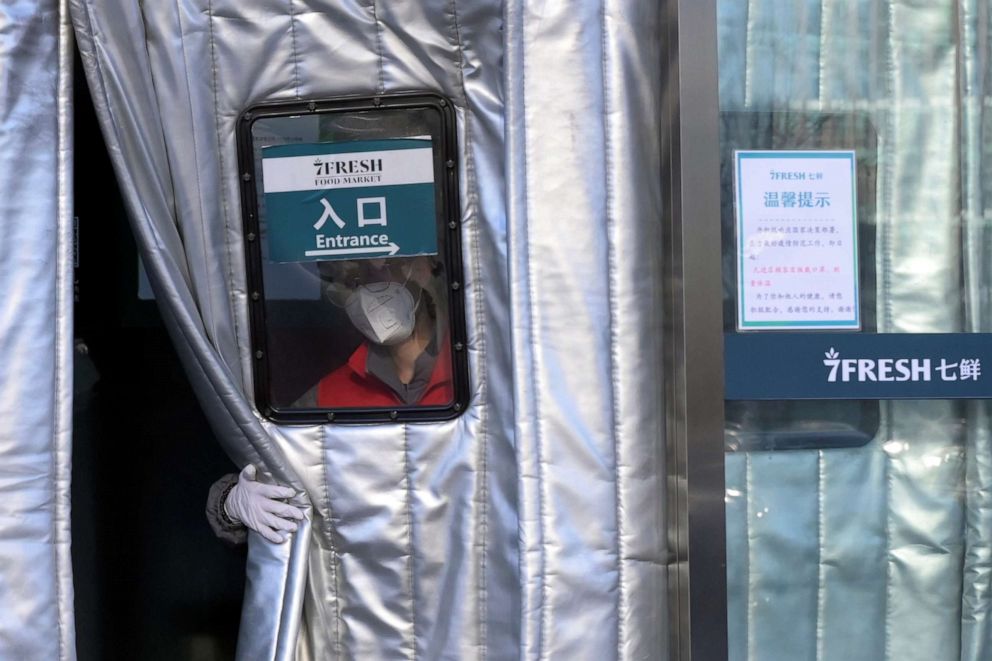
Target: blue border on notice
[{"x": 742, "y": 324}]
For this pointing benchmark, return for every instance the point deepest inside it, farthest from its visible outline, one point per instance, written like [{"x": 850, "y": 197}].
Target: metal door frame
[{"x": 693, "y": 333}]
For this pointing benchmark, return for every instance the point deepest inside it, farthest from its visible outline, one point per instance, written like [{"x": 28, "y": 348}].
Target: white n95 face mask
[{"x": 384, "y": 312}]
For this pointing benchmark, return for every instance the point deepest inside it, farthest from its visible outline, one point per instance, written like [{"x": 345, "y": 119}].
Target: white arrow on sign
[{"x": 391, "y": 249}]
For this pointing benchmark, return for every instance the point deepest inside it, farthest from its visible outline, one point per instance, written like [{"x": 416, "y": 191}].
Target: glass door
[{"x": 855, "y": 147}]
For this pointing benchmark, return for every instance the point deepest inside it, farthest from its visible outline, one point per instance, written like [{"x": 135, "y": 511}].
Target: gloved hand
[{"x": 260, "y": 507}]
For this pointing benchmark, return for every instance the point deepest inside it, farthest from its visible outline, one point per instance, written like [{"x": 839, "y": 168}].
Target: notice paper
[{"x": 797, "y": 241}]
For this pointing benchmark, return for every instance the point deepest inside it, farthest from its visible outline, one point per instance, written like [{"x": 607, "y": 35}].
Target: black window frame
[{"x": 446, "y": 160}]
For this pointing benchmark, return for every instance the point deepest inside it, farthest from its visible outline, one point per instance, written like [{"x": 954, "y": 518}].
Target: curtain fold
[
  {"x": 533, "y": 525},
  {"x": 411, "y": 550}
]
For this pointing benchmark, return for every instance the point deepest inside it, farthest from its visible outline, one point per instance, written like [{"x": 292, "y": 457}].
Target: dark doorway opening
[{"x": 151, "y": 580}]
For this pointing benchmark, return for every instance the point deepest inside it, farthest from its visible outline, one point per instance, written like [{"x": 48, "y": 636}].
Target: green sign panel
[{"x": 349, "y": 200}]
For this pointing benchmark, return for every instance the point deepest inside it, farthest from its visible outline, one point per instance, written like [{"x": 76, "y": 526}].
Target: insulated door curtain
[{"x": 532, "y": 526}]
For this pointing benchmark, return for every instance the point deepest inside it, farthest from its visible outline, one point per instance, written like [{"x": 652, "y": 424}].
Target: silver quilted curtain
[
  {"x": 583, "y": 90},
  {"x": 531, "y": 526},
  {"x": 880, "y": 552},
  {"x": 36, "y": 232}
]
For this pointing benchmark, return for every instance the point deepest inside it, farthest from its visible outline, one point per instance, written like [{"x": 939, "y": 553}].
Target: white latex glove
[{"x": 260, "y": 506}]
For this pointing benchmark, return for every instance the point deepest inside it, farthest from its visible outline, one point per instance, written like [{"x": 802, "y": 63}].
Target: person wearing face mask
[{"x": 404, "y": 360}]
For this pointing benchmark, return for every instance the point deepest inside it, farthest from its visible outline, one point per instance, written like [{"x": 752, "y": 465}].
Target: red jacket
[{"x": 352, "y": 386}]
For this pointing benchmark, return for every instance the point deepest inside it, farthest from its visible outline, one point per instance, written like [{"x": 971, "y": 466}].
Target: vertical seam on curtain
[
  {"x": 964, "y": 93},
  {"x": 220, "y": 155},
  {"x": 296, "y": 53},
  {"x": 983, "y": 57},
  {"x": 748, "y": 611},
  {"x": 821, "y": 482},
  {"x": 196, "y": 151},
  {"x": 885, "y": 238},
  {"x": 821, "y": 579},
  {"x": 964, "y": 112},
  {"x": 545, "y": 615},
  {"x": 225, "y": 211},
  {"x": 472, "y": 211},
  {"x": 411, "y": 574},
  {"x": 885, "y": 192},
  {"x": 748, "y": 32},
  {"x": 821, "y": 59},
  {"x": 514, "y": 80},
  {"x": 381, "y": 84},
  {"x": 57, "y": 422},
  {"x": 961, "y": 117},
  {"x": 612, "y": 286},
  {"x": 329, "y": 529},
  {"x": 887, "y": 631},
  {"x": 981, "y": 580},
  {"x": 61, "y": 545}
]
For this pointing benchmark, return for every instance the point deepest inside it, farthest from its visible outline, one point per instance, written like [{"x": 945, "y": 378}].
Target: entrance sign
[
  {"x": 355, "y": 179},
  {"x": 797, "y": 250},
  {"x": 350, "y": 200}
]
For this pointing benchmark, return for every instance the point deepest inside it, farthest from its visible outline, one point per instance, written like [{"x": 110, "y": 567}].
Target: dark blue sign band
[{"x": 784, "y": 366}]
